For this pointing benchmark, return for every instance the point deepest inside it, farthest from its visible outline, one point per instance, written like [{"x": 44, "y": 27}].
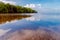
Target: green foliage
[{"x": 8, "y": 8}]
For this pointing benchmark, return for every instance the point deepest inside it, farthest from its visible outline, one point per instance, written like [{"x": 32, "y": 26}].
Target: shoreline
[{"x": 19, "y": 14}]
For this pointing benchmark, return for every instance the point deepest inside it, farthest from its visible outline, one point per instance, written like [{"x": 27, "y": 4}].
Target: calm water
[{"x": 51, "y": 22}]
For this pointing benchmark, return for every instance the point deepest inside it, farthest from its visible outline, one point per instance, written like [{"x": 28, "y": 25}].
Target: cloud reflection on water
[{"x": 51, "y": 22}]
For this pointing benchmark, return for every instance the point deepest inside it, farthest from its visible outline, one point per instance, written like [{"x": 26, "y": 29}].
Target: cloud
[
  {"x": 42, "y": 9},
  {"x": 10, "y": 2},
  {"x": 2, "y": 31},
  {"x": 36, "y": 7},
  {"x": 33, "y": 5}
]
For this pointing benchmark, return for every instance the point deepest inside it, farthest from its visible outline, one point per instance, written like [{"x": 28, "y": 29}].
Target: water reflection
[
  {"x": 7, "y": 17},
  {"x": 35, "y": 22}
]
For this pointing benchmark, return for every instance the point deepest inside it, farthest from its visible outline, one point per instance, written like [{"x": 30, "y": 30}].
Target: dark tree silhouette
[{"x": 8, "y": 8}]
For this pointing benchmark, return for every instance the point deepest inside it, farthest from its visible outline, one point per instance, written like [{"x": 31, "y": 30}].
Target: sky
[
  {"x": 49, "y": 5},
  {"x": 45, "y": 3}
]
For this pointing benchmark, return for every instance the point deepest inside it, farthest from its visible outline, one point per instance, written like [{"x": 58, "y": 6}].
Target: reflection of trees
[{"x": 4, "y": 18}]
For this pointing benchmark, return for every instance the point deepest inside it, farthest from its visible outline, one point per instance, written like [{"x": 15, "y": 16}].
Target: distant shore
[{"x": 9, "y": 8}]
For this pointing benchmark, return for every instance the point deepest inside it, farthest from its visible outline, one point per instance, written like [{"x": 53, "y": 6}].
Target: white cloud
[
  {"x": 42, "y": 9},
  {"x": 30, "y": 5},
  {"x": 33, "y": 5},
  {"x": 10, "y": 2},
  {"x": 36, "y": 7},
  {"x": 2, "y": 31}
]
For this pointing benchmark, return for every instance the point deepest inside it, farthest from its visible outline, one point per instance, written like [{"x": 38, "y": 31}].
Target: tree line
[{"x": 8, "y": 8}]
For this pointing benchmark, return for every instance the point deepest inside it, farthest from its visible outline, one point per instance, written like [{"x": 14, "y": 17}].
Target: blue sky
[
  {"x": 44, "y": 3},
  {"x": 37, "y": 4},
  {"x": 48, "y": 3}
]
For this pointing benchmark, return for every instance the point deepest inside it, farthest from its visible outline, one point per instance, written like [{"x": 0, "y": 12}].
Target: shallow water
[
  {"x": 51, "y": 22},
  {"x": 9, "y": 17}
]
